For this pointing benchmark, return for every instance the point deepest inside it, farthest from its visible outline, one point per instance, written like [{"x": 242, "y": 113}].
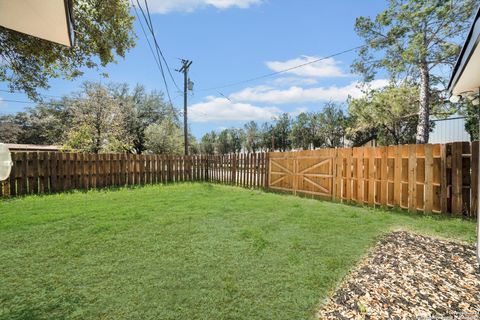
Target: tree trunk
[{"x": 423, "y": 128}]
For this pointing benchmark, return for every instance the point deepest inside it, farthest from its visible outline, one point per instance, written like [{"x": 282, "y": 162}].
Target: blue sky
[{"x": 233, "y": 40}]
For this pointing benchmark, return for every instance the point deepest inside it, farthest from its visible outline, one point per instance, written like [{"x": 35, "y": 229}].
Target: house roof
[
  {"x": 50, "y": 20},
  {"x": 465, "y": 76},
  {"x": 31, "y": 147}
]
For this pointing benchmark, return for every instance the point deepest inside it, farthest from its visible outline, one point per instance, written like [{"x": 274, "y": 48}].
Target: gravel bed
[{"x": 409, "y": 276}]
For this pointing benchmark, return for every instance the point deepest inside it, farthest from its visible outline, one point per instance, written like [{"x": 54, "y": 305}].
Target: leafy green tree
[
  {"x": 303, "y": 131},
  {"x": 9, "y": 130},
  {"x": 141, "y": 110},
  {"x": 47, "y": 123},
  {"x": 224, "y": 142},
  {"x": 282, "y": 129},
  {"x": 43, "y": 124},
  {"x": 252, "y": 142},
  {"x": 229, "y": 140},
  {"x": 389, "y": 113},
  {"x": 267, "y": 136},
  {"x": 472, "y": 118},
  {"x": 165, "y": 137},
  {"x": 411, "y": 40},
  {"x": 193, "y": 145},
  {"x": 332, "y": 126},
  {"x": 98, "y": 122},
  {"x": 103, "y": 29},
  {"x": 237, "y": 138},
  {"x": 208, "y": 143}
]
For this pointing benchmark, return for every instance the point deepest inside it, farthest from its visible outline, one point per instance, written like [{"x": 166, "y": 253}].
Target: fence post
[
  {"x": 207, "y": 176},
  {"x": 474, "y": 179}
]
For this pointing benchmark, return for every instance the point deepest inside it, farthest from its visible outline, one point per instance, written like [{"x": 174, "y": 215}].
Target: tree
[
  {"x": 267, "y": 136},
  {"x": 413, "y": 39},
  {"x": 389, "y": 113},
  {"x": 303, "y": 131},
  {"x": 472, "y": 118},
  {"x": 97, "y": 122},
  {"x": 165, "y": 137},
  {"x": 46, "y": 124},
  {"x": 43, "y": 124},
  {"x": 237, "y": 138},
  {"x": 193, "y": 145},
  {"x": 252, "y": 140},
  {"x": 9, "y": 130},
  {"x": 332, "y": 126},
  {"x": 282, "y": 128},
  {"x": 208, "y": 143},
  {"x": 141, "y": 110},
  {"x": 224, "y": 142},
  {"x": 103, "y": 29}
]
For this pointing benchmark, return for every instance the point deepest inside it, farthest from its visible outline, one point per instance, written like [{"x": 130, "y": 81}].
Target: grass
[{"x": 187, "y": 251}]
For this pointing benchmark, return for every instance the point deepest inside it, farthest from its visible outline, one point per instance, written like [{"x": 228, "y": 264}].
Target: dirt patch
[{"x": 409, "y": 276}]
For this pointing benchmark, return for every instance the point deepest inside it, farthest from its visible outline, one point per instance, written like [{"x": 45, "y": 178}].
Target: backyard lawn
[{"x": 186, "y": 251}]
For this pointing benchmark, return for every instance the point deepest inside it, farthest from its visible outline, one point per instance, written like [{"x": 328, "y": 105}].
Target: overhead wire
[
  {"x": 40, "y": 95},
  {"x": 155, "y": 57},
  {"x": 280, "y": 71},
  {"x": 157, "y": 49}
]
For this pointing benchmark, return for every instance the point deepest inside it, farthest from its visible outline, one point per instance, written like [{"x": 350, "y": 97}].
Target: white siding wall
[{"x": 449, "y": 130}]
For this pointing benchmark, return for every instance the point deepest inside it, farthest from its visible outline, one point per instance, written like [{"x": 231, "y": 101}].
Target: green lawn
[{"x": 186, "y": 251}]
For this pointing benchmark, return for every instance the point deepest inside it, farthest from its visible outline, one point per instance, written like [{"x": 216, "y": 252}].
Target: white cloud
[
  {"x": 294, "y": 81},
  {"x": 297, "y": 111},
  {"x": 222, "y": 109},
  {"x": 323, "y": 68},
  {"x": 295, "y": 94},
  {"x": 166, "y": 6}
]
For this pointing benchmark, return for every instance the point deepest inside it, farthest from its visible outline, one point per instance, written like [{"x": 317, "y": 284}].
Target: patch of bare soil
[{"x": 409, "y": 276}]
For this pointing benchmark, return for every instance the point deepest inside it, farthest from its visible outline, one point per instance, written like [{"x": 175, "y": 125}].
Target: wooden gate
[{"x": 307, "y": 172}]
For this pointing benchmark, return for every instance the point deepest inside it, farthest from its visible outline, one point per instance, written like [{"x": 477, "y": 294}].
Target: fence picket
[
  {"x": 428, "y": 178},
  {"x": 474, "y": 179},
  {"x": 457, "y": 178}
]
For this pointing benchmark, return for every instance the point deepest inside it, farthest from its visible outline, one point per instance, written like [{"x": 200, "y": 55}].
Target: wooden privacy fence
[
  {"x": 48, "y": 172},
  {"x": 429, "y": 178}
]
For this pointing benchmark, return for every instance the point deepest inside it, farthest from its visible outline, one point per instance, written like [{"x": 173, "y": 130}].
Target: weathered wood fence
[
  {"x": 49, "y": 172},
  {"x": 428, "y": 178}
]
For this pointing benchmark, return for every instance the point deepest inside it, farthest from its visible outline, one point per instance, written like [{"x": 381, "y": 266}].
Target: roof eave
[{"x": 468, "y": 48}]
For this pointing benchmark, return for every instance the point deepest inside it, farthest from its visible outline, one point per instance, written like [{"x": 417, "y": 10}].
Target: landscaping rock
[{"x": 409, "y": 276}]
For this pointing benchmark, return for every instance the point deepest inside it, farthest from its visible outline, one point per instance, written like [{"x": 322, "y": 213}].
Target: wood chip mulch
[{"x": 409, "y": 276}]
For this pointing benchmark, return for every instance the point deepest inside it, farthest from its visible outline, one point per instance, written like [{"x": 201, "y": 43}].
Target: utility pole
[{"x": 186, "y": 83}]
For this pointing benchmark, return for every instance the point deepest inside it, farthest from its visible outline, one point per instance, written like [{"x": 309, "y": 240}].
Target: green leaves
[
  {"x": 165, "y": 137},
  {"x": 103, "y": 30},
  {"x": 413, "y": 41},
  {"x": 414, "y": 31},
  {"x": 389, "y": 113}
]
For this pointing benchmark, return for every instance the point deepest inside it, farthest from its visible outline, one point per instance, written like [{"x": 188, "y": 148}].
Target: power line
[
  {"x": 158, "y": 47},
  {"x": 157, "y": 56},
  {"x": 33, "y": 102},
  {"x": 16, "y": 101},
  {"x": 145, "y": 34},
  {"x": 40, "y": 95},
  {"x": 159, "y": 52},
  {"x": 281, "y": 71}
]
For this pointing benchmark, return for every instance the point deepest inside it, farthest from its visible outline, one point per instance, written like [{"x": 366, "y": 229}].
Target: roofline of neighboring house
[
  {"x": 31, "y": 147},
  {"x": 469, "y": 47},
  {"x": 448, "y": 119}
]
